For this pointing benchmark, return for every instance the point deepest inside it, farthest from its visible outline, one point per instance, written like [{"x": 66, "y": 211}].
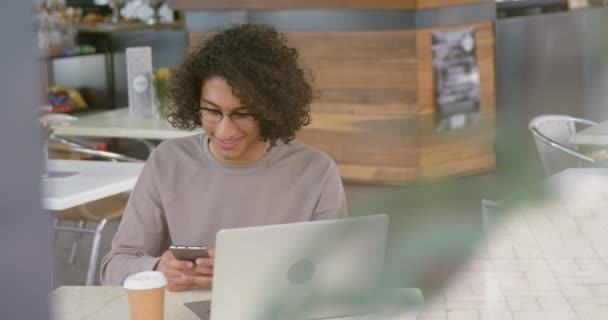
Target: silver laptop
[{"x": 308, "y": 270}]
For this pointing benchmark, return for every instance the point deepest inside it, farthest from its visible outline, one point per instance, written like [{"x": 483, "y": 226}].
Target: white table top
[
  {"x": 596, "y": 135},
  {"x": 118, "y": 124},
  {"x": 92, "y": 180},
  {"x": 546, "y": 260},
  {"x": 92, "y": 303}
]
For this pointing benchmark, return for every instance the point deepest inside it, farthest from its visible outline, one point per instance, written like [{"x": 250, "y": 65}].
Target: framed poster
[{"x": 457, "y": 88}]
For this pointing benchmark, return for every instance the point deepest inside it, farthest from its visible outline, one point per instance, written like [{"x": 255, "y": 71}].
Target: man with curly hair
[{"x": 244, "y": 86}]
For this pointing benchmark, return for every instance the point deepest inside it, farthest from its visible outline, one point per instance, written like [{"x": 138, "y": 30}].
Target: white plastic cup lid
[{"x": 145, "y": 280}]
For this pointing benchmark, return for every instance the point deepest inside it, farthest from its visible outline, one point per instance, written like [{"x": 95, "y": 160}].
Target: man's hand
[{"x": 183, "y": 275}]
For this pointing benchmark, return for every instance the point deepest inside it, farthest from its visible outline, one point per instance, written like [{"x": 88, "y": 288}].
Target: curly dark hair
[{"x": 261, "y": 69}]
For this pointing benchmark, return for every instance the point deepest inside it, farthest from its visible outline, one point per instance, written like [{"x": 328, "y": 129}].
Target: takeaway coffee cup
[{"x": 146, "y": 292}]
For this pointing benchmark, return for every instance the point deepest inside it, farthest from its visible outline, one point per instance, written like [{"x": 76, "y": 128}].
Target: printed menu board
[{"x": 456, "y": 78}]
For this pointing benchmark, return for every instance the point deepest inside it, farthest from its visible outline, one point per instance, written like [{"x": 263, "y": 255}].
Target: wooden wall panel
[
  {"x": 476, "y": 163},
  {"x": 428, "y": 136},
  {"x": 367, "y": 70},
  {"x": 387, "y": 103},
  {"x": 347, "y": 138},
  {"x": 468, "y": 148},
  {"x": 364, "y": 70},
  {"x": 352, "y": 173},
  {"x": 385, "y": 149}
]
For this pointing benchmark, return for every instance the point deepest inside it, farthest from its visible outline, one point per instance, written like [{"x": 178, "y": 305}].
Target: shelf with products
[
  {"x": 81, "y": 47},
  {"x": 77, "y": 51},
  {"x": 101, "y": 76}
]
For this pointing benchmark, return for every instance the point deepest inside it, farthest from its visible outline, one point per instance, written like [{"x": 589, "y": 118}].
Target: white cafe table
[
  {"x": 98, "y": 302},
  {"x": 118, "y": 124},
  {"x": 592, "y": 136},
  {"x": 74, "y": 182}
]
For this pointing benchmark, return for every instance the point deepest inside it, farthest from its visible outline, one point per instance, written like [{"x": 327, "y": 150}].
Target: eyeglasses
[{"x": 240, "y": 119}]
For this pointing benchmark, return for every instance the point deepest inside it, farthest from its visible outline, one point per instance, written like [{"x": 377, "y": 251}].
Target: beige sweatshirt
[{"x": 184, "y": 196}]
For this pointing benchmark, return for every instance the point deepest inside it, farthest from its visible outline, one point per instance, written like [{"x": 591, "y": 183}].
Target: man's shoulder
[
  {"x": 173, "y": 150},
  {"x": 305, "y": 155},
  {"x": 183, "y": 144}
]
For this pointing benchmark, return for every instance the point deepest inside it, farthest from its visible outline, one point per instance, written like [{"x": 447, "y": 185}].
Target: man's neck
[{"x": 260, "y": 151}]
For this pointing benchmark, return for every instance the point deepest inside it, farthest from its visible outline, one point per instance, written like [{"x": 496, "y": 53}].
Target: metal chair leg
[
  {"x": 78, "y": 237},
  {"x": 56, "y": 223},
  {"x": 95, "y": 253}
]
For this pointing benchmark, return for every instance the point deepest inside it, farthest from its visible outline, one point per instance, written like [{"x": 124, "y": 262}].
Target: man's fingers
[
  {"x": 179, "y": 287},
  {"x": 169, "y": 260},
  {"x": 182, "y": 279},
  {"x": 173, "y": 268},
  {"x": 182, "y": 275},
  {"x": 170, "y": 272},
  {"x": 205, "y": 271},
  {"x": 205, "y": 262},
  {"x": 204, "y": 281},
  {"x": 180, "y": 264}
]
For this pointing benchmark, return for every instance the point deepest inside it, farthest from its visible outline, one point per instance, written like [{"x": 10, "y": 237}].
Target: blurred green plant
[{"x": 161, "y": 77}]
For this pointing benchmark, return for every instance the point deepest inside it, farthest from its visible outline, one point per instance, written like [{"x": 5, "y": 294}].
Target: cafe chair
[
  {"x": 551, "y": 134},
  {"x": 69, "y": 146},
  {"x": 99, "y": 212}
]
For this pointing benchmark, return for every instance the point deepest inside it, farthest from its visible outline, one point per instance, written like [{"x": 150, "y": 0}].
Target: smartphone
[{"x": 189, "y": 253}]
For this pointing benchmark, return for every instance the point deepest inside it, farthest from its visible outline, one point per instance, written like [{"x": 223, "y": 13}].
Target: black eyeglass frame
[{"x": 255, "y": 116}]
